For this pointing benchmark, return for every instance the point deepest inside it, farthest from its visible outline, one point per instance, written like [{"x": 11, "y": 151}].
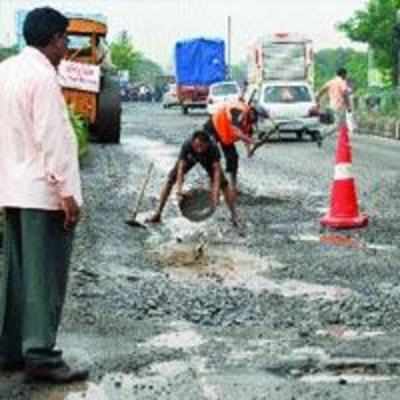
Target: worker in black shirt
[{"x": 202, "y": 149}]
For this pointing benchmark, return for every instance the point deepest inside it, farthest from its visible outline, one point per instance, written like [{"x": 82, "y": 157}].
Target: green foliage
[
  {"x": 6, "y": 52},
  {"x": 81, "y": 130},
  {"x": 123, "y": 54},
  {"x": 328, "y": 61},
  {"x": 146, "y": 71},
  {"x": 126, "y": 58},
  {"x": 239, "y": 72},
  {"x": 375, "y": 25}
]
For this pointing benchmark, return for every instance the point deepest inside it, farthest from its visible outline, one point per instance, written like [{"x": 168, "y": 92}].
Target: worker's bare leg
[
  {"x": 232, "y": 166},
  {"x": 229, "y": 197}
]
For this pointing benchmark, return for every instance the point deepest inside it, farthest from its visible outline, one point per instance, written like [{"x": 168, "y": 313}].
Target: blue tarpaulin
[{"x": 200, "y": 61}]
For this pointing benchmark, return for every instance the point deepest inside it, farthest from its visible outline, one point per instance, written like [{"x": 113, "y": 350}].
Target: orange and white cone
[{"x": 344, "y": 212}]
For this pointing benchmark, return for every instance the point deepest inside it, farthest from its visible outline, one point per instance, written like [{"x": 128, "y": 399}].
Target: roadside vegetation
[{"x": 377, "y": 26}]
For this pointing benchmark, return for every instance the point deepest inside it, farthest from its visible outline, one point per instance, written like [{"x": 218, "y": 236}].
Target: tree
[
  {"x": 126, "y": 58},
  {"x": 328, "y": 61},
  {"x": 239, "y": 72},
  {"x": 6, "y": 52},
  {"x": 123, "y": 54},
  {"x": 376, "y": 25},
  {"x": 146, "y": 71}
]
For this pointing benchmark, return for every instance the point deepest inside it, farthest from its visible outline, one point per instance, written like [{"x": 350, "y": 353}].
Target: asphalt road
[{"x": 279, "y": 310}]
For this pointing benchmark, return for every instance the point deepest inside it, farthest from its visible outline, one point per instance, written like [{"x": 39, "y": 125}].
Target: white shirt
[{"x": 38, "y": 149}]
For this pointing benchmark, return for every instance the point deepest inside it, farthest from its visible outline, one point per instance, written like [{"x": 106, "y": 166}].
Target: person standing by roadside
[
  {"x": 40, "y": 192},
  {"x": 338, "y": 92}
]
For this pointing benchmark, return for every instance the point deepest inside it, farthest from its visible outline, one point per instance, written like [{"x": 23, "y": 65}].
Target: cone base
[{"x": 360, "y": 221}]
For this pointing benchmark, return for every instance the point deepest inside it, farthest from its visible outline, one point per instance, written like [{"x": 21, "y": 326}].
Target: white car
[
  {"x": 221, "y": 93},
  {"x": 170, "y": 98},
  {"x": 290, "y": 104}
]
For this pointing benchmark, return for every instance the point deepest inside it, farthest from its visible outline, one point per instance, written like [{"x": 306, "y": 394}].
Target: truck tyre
[{"x": 107, "y": 128}]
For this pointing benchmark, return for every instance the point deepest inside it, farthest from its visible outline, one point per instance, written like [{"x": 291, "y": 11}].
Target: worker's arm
[
  {"x": 216, "y": 183},
  {"x": 56, "y": 145},
  {"x": 248, "y": 140},
  {"x": 236, "y": 118},
  {"x": 180, "y": 178},
  {"x": 346, "y": 97}
]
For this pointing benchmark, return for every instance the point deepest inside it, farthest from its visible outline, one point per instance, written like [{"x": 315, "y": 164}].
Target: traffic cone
[{"x": 344, "y": 212}]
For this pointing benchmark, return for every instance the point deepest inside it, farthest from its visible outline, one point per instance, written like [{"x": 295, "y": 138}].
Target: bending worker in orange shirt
[{"x": 228, "y": 125}]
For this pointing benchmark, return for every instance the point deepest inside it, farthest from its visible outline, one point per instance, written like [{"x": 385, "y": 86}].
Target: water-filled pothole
[{"x": 234, "y": 267}]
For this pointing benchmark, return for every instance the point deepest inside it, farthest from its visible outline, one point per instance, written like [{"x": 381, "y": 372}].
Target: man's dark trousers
[{"x": 33, "y": 282}]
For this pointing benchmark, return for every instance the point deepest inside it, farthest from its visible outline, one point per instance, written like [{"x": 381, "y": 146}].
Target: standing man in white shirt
[
  {"x": 40, "y": 191},
  {"x": 338, "y": 92}
]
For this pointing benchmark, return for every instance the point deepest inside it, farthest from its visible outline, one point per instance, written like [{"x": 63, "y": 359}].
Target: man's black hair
[
  {"x": 342, "y": 72},
  {"x": 202, "y": 136},
  {"x": 42, "y": 24}
]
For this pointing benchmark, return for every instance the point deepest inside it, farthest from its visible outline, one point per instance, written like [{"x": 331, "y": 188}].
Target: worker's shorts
[
  {"x": 173, "y": 175},
  {"x": 231, "y": 154},
  {"x": 231, "y": 158}
]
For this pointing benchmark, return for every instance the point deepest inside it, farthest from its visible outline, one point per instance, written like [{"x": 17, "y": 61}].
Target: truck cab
[
  {"x": 90, "y": 86},
  {"x": 281, "y": 74}
]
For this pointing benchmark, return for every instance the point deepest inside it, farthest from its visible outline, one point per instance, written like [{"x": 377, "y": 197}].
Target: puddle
[
  {"x": 322, "y": 368},
  {"x": 163, "y": 155},
  {"x": 253, "y": 200},
  {"x": 341, "y": 332},
  {"x": 311, "y": 352},
  {"x": 234, "y": 267},
  {"x": 346, "y": 378},
  {"x": 336, "y": 240},
  {"x": 176, "y": 340},
  {"x": 167, "y": 380}
]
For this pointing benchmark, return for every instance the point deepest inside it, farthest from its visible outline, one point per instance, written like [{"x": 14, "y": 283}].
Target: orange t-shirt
[{"x": 224, "y": 125}]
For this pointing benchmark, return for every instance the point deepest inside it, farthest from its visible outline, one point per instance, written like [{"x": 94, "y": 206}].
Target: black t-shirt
[{"x": 206, "y": 159}]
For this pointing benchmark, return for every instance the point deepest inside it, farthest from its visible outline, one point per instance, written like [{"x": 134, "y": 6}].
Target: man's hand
[{"x": 71, "y": 211}]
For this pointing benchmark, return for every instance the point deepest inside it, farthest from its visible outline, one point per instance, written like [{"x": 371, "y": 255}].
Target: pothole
[
  {"x": 314, "y": 365},
  {"x": 234, "y": 267},
  {"x": 346, "y": 378},
  {"x": 342, "y": 332},
  {"x": 176, "y": 340}
]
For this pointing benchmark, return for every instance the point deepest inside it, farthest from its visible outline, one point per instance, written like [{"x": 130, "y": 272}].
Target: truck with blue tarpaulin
[{"x": 199, "y": 63}]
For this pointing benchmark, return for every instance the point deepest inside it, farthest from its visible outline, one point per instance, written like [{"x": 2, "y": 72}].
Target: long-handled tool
[{"x": 132, "y": 219}]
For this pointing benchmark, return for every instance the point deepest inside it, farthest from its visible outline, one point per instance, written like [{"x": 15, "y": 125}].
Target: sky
[{"x": 155, "y": 25}]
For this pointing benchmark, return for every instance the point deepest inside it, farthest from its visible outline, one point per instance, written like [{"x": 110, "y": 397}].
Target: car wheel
[{"x": 299, "y": 136}]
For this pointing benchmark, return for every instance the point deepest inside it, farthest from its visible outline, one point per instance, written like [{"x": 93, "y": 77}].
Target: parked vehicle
[
  {"x": 199, "y": 63},
  {"x": 170, "y": 98},
  {"x": 221, "y": 93},
  {"x": 281, "y": 75},
  {"x": 90, "y": 87}
]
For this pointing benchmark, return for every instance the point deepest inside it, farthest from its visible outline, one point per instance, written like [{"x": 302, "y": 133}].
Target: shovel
[{"x": 132, "y": 219}]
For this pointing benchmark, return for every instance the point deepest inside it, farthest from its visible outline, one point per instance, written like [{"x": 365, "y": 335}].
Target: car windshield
[
  {"x": 224, "y": 90},
  {"x": 287, "y": 94},
  {"x": 79, "y": 42}
]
